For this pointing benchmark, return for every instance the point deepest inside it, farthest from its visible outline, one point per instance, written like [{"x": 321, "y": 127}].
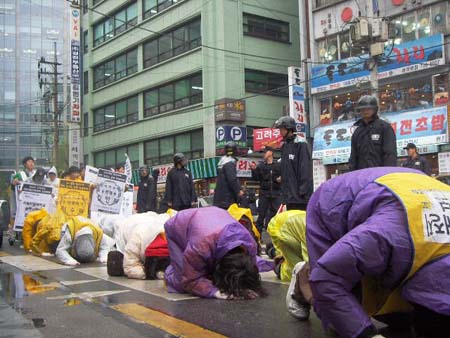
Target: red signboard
[{"x": 266, "y": 137}]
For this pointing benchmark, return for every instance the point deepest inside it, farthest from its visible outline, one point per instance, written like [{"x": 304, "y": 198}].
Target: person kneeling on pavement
[
  {"x": 133, "y": 235},
  {"x": 212, "y": 256},
  {"x": 379, "y": 247},
  {"x": 82, "y": 242}
]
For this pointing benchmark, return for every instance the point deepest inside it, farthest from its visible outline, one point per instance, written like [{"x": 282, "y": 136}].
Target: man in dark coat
[
  {"x": 373, "y": 142},
  {"x": 228, "y": 190},
  {"x": 296, "y": 167},
  {"x": 180, "y": 191},
  {"x": 268, "y": 174},
  {"x": 415, "y": 161},
  {"x": 146, "y": 197}
]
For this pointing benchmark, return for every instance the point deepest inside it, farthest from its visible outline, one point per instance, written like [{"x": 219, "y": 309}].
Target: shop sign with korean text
[
  {"x": 266, "y": 137},
  {"x": 421, "y": 127},
  {"x": 243, "y": 167},
  {"x": 407, "y": 57},
  {"x": 229, "y": 110},
  {"x": 297, "y": 101}
]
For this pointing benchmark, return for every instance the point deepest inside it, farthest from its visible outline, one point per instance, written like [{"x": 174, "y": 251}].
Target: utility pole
[
  {"x": 373, "y": 58},
  {"x": 42, "y": 71}
]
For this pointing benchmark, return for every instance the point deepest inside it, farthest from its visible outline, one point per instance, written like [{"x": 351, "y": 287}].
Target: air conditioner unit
[{"x": 380, "y": 30}]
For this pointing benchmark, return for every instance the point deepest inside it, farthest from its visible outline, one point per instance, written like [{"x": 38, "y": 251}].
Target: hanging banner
[
  {"x": 108, "y": 194},
  {"x": 127, "y": 201},
  {"x": 75, "y": 144},
  {"x": 74, "y": 198},
  {"x": 421, "y": 127},
  {"x": 407, "y": 57},
  {"x": 31, "y": 198},
  {"x": 266, "y": 137},
  {"x": 297, "y": 101},
  {"x": 91, "y": 175},
  {"x": 163, "y": 171},
  {"x": 75, "y": 59}
]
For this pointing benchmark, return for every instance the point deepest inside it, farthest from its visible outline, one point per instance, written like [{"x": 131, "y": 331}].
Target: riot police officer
[
  {"x": 228, "y": 190},
  {"x": 180, "y": 191},
  {"x": 296, "y": 167},
  {"x": 415, "y": 161},
  {"x": 373, "y": 142}
]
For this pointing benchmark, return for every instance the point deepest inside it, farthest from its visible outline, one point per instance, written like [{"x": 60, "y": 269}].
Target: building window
[
  {"x": 172, "y": 43},
  {"x": 85, "y": 42},
  {"x": 115, "y": 24},
  {"x": 85, "y": 124},
  {"x": 115, "y": 69},
  {"x": 152, "y": 7},
  {"x": 264, "y": 82},
  {"x": 320, "y": 3},
  {"x": 121, "y": 112},
  {"x": 86, "y": 82},
  {"x": 175, "y": 95},
  {"x": 110, "y": 158},
  {"x": 160, "y": 151},
  {"x": 266, "y": 28}
]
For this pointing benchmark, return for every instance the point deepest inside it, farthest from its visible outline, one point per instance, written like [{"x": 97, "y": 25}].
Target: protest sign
[
  {"x": 91, "y": 174},
  {"x": 31, "y": 198},
  {"x": 108, "y": 194},
  {"x": 74, "y": 198}
]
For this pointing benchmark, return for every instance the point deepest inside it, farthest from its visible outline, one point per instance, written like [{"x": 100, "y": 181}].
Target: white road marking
[
  {"x": 76, "y": 282},
  {"x": 32, "y": 263},
  {"x": 87, "y": 296},
  {"x": 152, "y": 287}
]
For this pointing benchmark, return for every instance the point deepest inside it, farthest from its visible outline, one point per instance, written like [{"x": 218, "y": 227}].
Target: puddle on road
[{"x": 72, "y": 302}]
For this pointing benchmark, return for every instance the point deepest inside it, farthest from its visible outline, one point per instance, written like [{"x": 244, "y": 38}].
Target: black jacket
[
  {"x": 180, "y": 191},
  {"x": 296, "y": 172},
  {"x": 146, "y": 196},
  {"x": 418, "y": 163},
  {"x": 373, "y": 145},
  {"x": 267, "y": 174},
  {"x": 227, "y": 186}
]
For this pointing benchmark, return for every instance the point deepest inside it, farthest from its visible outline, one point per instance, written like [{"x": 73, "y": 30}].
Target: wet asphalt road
[{"x": 133, "y": 313}]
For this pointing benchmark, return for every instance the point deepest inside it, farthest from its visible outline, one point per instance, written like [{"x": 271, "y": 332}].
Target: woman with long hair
[{"x": 213, "y": 256}]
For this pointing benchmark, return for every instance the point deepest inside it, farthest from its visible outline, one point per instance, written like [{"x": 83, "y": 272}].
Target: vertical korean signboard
[
  {"x": 297, "y": 101},
  {"x": 75, "y": 71}
]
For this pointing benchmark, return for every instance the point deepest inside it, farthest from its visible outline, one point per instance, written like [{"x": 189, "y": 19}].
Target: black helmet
[
  {"x": 26, "y": 159},
  {"x": 178, "y": 158},
  {"x": 367, "y": 101},
  {"x": 231, "y": 148},
  {"x": 286, "y": 122}
]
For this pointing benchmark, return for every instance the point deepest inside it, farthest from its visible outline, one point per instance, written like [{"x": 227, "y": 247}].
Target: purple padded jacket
[
  {"x": 197, "y": 239},
  {"x": 356, "y": 227}
]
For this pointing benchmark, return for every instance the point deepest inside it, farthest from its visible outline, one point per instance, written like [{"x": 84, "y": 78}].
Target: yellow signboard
[{"x": 74, "y": 198}]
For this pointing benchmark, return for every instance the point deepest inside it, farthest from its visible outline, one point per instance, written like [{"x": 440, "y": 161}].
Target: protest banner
[
  {"x": 74, "y": 198},
  {"x": 108, "y": 194},
  {"x": 91, "y": 174},
  {"x": 30, "y": 198},
  {"x": 127, "y": 201}
]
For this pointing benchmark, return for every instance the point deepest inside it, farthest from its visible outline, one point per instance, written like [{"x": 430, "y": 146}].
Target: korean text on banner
[
  {"x": 108, "y": 194},
  {"x": 243, "y": 167},
  {"x": 32, "y": 197},
  {"x": 297, "y": 101},
  {"x": 127, "y": 201},
  {"x": 421, "y": 127},
  {"x": 75, "y": 60},
  {"x": 404, "y": 58},
  {"x": 266, "y": 137},
  {"x": 74, "y": 198}
]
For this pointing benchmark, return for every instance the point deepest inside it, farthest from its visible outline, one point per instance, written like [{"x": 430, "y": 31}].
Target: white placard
[
  {"x": 31, "y": 198},
  {"x": 319, "y": 173},
  {"x": 108, "y": 194},
  {"x": 91, "y": 175},
  {"x": 444, "y": 163},
  {"x": 127, "y": 201}
]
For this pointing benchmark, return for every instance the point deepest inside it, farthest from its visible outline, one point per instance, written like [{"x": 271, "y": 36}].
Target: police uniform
[{"x": 418, "y": 163}]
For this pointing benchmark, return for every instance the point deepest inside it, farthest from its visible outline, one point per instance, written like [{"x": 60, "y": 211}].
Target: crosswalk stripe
[{"x": 173, "y": 326}]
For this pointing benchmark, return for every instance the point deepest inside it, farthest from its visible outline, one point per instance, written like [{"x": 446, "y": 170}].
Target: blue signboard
[
  {"x": 226, "y": 134},
  {"x": 399, "y": 59},
  {"x": 422, "y": 127}
]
